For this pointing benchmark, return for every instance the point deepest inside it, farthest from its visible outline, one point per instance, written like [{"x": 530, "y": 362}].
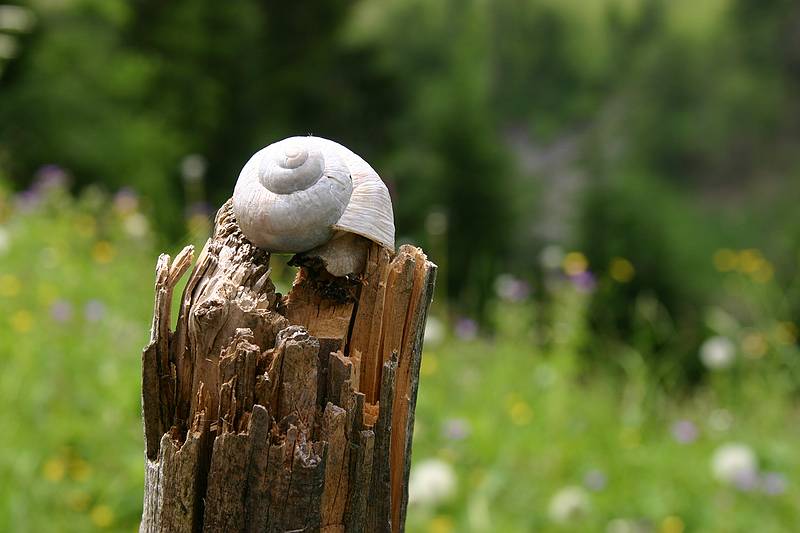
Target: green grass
[{"x": 71, "y": 452}]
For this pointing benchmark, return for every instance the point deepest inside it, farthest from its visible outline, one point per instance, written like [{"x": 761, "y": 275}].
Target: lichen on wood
[{"x": 265, "y": 412}]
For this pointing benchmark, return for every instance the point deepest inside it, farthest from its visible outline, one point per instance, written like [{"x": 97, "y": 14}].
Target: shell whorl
[{"x": 294, "y": 194}]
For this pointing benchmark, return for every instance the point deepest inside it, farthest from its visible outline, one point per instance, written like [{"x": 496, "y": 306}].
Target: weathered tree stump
[{"x": 265, "y": 412}]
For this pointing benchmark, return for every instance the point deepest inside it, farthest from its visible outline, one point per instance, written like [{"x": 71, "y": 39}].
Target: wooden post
[{"x": 265, "y": 412}]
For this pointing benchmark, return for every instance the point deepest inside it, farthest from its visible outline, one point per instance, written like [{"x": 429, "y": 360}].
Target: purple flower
[
  {"x": 26, "y": 201},
  {"x": 466, "y": 329},
  {"x": 595, "y": 480},
  {"x": 61, "y": 311},
  {"x": 773, "y": 483},
  {"x": 94, "y": 310},
  {"x": 511, "y": 289},
  {"x": 50, "y": 177},
  {"x": 584, "y": 282},
  {"x": 126, "y": 200},
  {"x": 199, "y": 208},
  {"x": 746, "y": 480},
  {"x": 456, "y": 429},
  {"x": 685, "y": 431}
]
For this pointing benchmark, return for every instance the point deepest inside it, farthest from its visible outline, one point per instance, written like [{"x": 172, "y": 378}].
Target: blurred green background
[{"x": 608, "y": 186}]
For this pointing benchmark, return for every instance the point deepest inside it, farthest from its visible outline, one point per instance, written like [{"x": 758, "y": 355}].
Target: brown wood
[{"x": 269, "y": 413}]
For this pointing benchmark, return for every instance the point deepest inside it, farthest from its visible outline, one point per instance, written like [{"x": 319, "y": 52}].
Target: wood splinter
[{"x": 265, "y": 412}]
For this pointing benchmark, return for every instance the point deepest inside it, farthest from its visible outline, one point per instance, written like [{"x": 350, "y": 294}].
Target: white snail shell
[{"x": 293, "y": 196}]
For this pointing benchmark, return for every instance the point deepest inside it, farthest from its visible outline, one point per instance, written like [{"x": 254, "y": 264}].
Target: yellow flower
[
  {"x": 85, "y": 225},
  {"x": 672, "y": 524},
  {"x": 429, "y": 365},
  {"x": 80, "y": 470},
  {"x": 441, "y": 524},
  {"x": 78, "y": 500},
  {"x": 22, "y": 321},
  {"x": 725, "y": 260},
  {"x": 10, "y": 285},
  {"x": 786, "y": 333},
  {"x": 54, "y": 469},
  {"x": 621, "y": 270},
  {"x": 102, "y": 515},
  {"x": 575, "y": 263},
  {"x": 754, "y": 345},
  {"x": 521, "y": 413},
  {"x": 750, "y": 261},
  {"x": 764, "y": 273},
  {"x": 103, "y": 252}
]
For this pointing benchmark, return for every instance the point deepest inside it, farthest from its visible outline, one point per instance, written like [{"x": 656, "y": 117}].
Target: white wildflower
[
  {"x": 568, "y": 504},
  {"x": 434, "y": 331},
  {"x": 733, "y": 463},
  {"x": 5, "y": 240},
  {"x": 136, "y": 225},
  {"x": 431, "y": 481},
  {"x": 718, "y": 353}
]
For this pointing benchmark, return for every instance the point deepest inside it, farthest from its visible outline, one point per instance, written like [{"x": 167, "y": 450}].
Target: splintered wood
[{"x": 271, "y": 413}]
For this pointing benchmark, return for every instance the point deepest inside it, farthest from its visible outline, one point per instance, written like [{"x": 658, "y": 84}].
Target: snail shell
[{"x": 295, "y": 194}]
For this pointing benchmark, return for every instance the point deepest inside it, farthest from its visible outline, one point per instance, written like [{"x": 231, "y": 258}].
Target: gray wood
[{"x": 270, "y": 413}]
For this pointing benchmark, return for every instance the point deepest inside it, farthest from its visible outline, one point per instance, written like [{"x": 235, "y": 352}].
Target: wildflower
[
  {"x": 456, "y": 429},
  {"x": 595, "y": 480},
  {"x": 773, "y": 483},
  {"x": 720, "y": 420},
  {"x": 552, "y": 256},
  {"x": 193, "y": 168},
  {"x": 436, "y": 223},
  {"x": 569, "y": 504},
  {"x": 521, "y": 413},
  {"x": 94, "y": 310},
  {"x": 8, "y": 46},
  {"x": 441, "y": 524},
  {"x": 61, "y": 311},
  {"x": 22, "y": 321},
  {"x": 511, "y": 289},
  {"x": 717, "y": 353},
  {"x": 16, "y": 19},
  {"x": 28, "y": 200},
  {"x": 429, "y": 365},
  {"x": 103, "y": 252},
  {"x": 126, "y": 201},
  {"x": 627, "y": 525},
  {"x": 101, "y": 515},
  {"x": 575, "y": 263},
  {"x": 584, "y": 281},
  {"x": 431, "y": 481},
  {"x": 725, "y": 260},
  {"x": 434, "y": 331},
  {"x": 621, "y": 270},
  {"x": 136, "y": 225},
  {"x": 466, "y": 329},
  {"x": 85, "y": 225},
  {"x": 754, "y": 345},
  {"x": 10, "y": 285},
  {"x": 49, "y": 178},
  {"x": 54, "y": 469},
  {"x": 734, "y": 464},
  {"x": 672, "y": 524},
  {"x": 786, "y": 333},
  {"x": 5, "y": 240},
  {"x": 684, "y": 431},
  {"x": 80, "y": 470}
]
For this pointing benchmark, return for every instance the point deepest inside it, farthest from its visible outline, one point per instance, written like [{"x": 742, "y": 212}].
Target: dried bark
[{"x": 271, "y": 413}]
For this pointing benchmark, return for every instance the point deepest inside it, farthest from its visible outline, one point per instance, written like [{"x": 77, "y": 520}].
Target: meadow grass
[{"x": 516, "y": 423}]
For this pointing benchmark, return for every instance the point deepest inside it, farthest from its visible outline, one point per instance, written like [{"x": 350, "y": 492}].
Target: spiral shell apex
[{"x": 293, "y": 196}]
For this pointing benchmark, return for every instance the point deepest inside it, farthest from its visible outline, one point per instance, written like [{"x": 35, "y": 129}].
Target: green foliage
[{"x": 517, "y": 423}]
